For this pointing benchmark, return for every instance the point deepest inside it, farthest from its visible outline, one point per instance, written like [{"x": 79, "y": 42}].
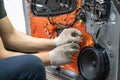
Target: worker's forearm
[
  {"x": 44, "y": 56},
  {"x": 18, "y": 41},
  {"x": 26, "y": 43},
  {"x": 6, "y": 54}
]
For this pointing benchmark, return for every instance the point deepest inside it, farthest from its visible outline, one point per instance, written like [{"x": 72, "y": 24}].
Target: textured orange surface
[{"x": 40, "y": 27}]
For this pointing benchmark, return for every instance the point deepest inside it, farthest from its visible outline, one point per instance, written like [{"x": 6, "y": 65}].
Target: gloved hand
[
  {"x": 63, "y": 54},
  {"x": 68, "y": 36}
]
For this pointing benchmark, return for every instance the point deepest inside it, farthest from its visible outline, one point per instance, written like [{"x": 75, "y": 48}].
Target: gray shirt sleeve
[{"x": 2, "y": 10}]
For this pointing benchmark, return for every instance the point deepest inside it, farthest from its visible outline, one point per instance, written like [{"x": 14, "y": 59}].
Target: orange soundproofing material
[{"x": 40, "y": 27}]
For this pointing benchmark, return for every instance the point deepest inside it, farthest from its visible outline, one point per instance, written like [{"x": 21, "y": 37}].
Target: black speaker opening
[
  {"x": 93, "y": 63},
  {"x": 52, "y": 7}
]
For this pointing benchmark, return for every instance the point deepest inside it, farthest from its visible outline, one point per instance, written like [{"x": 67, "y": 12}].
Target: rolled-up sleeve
[{"x": 2, "y": 10}]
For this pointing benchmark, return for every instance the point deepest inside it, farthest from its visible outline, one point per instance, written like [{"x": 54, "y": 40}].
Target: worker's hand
[
  {"x": 63, "y": 54},
  {"x": 68, "y": 36}
]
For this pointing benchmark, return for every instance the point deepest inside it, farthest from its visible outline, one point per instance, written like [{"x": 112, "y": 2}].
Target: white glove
[
  {"x": 68, "y": 36},
  {"x": 63, "y": 54}
]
